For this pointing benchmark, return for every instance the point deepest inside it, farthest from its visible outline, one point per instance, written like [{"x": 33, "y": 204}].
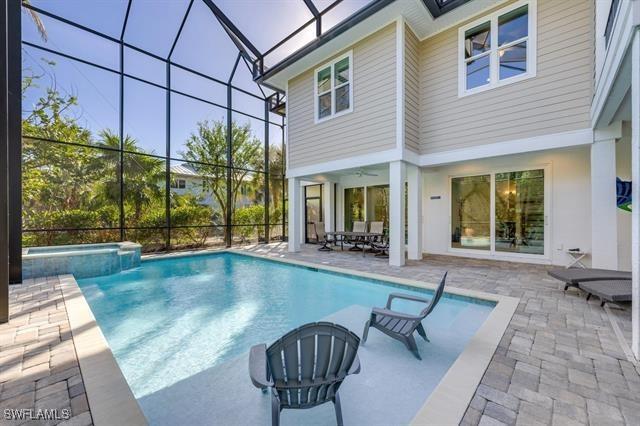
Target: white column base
[
  {"x": 604, "y": 217},
  {"x": 414, "y": 213},
  {"x": 294, "y": 214},
  {"x": 397, "y": 176}
]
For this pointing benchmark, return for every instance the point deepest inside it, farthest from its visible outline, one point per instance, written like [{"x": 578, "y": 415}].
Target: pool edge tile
[{"x": 111, "y": 401}]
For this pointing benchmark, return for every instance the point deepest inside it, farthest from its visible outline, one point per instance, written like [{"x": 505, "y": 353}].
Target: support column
[
  {"x": 295, "y": 214},
  {"x": 397, "y": 177},
  {"x": 414, "y": 213},
  {"x": 604, "y": 223},
  {"x": 635, "y": 195},
  {"x": 329, "y": 206}
]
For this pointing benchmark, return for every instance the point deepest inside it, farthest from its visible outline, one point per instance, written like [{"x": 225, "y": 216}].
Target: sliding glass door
[
  {"x": 520, "y": 212},
  {"x": 499, "y": 212},
  {"x": 378, "y": 204},
  {"x": 312, "y": 210},
  {"x": 353, "y": 206},
  {"x": 471, "y": 212}
]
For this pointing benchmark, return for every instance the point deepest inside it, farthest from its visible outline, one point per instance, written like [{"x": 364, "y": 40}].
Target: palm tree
[
  {"x": 142, "y": 174},
  {"x": 35, "y": 17}
]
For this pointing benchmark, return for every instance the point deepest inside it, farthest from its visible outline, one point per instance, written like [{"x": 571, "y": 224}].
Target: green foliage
[
  {"x": 76, "y": 185},
  {"x": 251, "y": 215}
]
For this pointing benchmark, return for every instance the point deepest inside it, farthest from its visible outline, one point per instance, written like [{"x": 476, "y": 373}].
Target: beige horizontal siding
[
  {"x": 411, "y": 92},
  {"x": 371, "y": 125},
  {"x": 556, "y": 100}
]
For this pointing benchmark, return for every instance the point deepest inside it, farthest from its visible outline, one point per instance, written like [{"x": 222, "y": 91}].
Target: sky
[{"x": 152, "y": 25}]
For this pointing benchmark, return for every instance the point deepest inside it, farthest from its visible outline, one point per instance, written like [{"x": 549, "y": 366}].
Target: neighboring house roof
[{"x": 183, "y": 170}]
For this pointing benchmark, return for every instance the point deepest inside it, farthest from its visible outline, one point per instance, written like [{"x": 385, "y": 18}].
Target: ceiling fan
[{"x": 361, "y": 173}]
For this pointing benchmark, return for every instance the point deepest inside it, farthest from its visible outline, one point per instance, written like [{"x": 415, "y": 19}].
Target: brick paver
[{"x": 39, "y": 369}]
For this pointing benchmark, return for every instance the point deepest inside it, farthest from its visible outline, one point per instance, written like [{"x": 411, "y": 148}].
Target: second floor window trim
[
  {"x": 333, "y": 88},
  {"x": 481, "y": 51}
]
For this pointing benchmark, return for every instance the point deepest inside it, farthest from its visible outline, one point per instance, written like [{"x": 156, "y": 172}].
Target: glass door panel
[
  {"x": 519, "y": 210},
  {"x": 378, "y": 204},
  {"x": 313, "y": 210},
  {"x": 471, "y": 212},
  {"x": 353, "y": 207}
]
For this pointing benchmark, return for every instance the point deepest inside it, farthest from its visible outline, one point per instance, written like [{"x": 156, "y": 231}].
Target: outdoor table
[{"x": 366, "y": 236}]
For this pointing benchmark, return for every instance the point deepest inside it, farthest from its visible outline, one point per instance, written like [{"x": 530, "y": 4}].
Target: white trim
[
  {"x": 622, "y": 36},
  {"x": 346, "y": 163},
  {"x": 331, "y": 65},
  {"x": 400, "y": 53},
  {"x": 517, "y": 146},
  {"x": 492, "y": 253},
  {"x": 495, "y": 81},
  {"x": 286, "y": 130}
]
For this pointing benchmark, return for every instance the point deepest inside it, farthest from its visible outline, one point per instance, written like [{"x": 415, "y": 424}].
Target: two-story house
[{"x": 507, "y": 129}]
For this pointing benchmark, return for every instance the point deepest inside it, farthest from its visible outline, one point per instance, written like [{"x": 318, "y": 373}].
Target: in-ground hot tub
[{"x": 81, "y": 260}]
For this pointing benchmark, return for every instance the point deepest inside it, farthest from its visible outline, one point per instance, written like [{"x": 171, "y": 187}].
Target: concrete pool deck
[{"x": 558, "y": 362}]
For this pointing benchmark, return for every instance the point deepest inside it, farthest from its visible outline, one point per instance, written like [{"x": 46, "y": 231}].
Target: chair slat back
[
  {"x": 436, "y": 297},
  {"x": 359, "y": 226},
  {"x": 376, "y": 227},
  {"x": 308, "y": 364}
]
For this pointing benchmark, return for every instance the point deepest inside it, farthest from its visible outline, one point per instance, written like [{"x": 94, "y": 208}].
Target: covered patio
[{"x": 388, "y": 192}]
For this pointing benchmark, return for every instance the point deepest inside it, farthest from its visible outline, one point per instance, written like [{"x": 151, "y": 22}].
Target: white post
[
  {"x": 414, "y": 213},
  {"x": 604, "y": 222},
  {"x": 396, "y": 213},
  {"x": 328, "y": 200},
  {"x": 635, "y": 195},
  {"x": 295, "y": 214}
]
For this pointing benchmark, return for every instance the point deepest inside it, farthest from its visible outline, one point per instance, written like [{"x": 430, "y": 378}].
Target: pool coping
[{"x": 110, "y": 396}]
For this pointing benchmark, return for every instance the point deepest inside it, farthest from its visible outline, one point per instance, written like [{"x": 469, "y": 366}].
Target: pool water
[{"x": 173, "y": 318}]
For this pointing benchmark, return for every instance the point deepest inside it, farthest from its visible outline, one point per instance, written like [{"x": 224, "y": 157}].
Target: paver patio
[{"x": 559, "y": 361}]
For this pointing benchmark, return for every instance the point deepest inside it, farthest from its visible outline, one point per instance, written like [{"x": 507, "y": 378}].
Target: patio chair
[
  {"x": 608, "y": 291},
  {"x": 572, "y": 277},
  {"x": 381, "y": 247},
  {"x": 376, "y": 228},
  {"x": 358, "y": 226},
  {"x": 399, "y": 325},
  {"x": 305, "y": 367},
  {"x": 321, "y": 237}
]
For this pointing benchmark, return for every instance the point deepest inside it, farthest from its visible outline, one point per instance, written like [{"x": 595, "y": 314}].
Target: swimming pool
[{"x": 173, "y": 318}]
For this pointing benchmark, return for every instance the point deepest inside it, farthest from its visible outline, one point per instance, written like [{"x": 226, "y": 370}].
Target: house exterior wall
[
  {"x": 568, "y": 194},
  {"x": 557, "y": 99},
  {"x": 411, "y": 92},
  {"x": 371, "y": 127}
]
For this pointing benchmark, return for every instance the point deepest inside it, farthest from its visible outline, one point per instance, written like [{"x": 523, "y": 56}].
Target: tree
[
  {"x": 209, "y": 145},
  {"x": 143, "y": 175}
]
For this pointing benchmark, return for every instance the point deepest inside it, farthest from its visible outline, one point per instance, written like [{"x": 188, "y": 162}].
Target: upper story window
[
  {"x": 498, "y": 49},
  {"x": 333, "y": 88}
]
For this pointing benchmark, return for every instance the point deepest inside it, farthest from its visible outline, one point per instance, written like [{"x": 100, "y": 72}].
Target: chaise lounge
[
  {"x": 573, "y": 277},
  {"x": 608, "y": 291}
]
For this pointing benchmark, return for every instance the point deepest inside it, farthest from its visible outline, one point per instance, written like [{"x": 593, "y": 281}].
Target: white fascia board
[
  {"x": 346, "y": 163},
  {"x": 518, "y": 146}
]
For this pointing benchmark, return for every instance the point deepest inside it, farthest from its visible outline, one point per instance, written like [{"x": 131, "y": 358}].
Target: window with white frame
[
  {"x": 498, "y": 49},
  {"x": 333, "y": 88}
]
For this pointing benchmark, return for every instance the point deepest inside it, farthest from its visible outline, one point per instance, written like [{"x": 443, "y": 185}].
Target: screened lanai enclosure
[{"x": 142, "y": 120}]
